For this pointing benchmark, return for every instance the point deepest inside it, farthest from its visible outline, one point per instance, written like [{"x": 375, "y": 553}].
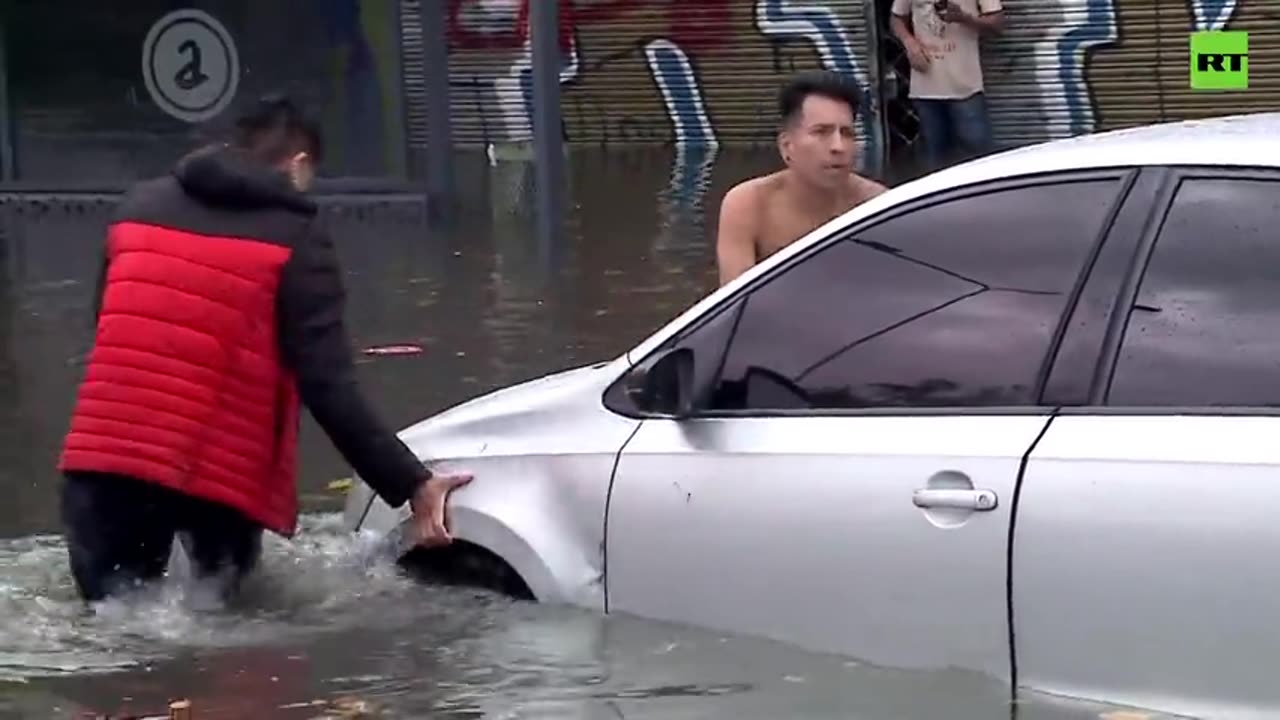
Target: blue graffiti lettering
[
  {"x": 1098, "y": 27},
  {"x": 674, "y": 75},
  {"x": 1212, "y": 14}
]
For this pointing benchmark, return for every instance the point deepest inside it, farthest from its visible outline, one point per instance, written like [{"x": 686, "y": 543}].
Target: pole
[
  {"x": 7, "y": 164},
  {"x": 441, "y": 198},
  {"x": 548, "y": 149},
  {"x": 881, "y": 85}
]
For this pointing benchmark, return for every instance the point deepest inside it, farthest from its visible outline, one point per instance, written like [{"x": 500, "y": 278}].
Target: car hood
[{"x": 512, "y": 410}]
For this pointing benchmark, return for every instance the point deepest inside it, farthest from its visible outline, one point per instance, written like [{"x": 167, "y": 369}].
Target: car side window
[
  {"x": 953, "y": 304},
  {"x": 1204, "y": 329}
]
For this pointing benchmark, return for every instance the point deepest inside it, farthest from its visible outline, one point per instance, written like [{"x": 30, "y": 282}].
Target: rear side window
[{"x": 1204, "y": 329}]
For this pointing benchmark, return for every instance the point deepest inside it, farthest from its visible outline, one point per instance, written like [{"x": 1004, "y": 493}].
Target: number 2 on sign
[{"x": 190, "y": 75}]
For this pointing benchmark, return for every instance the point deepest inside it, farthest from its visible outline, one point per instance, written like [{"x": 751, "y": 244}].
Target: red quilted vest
[{"x": 185, "y": 386}]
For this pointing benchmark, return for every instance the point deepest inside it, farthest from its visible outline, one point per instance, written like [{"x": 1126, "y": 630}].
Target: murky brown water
[
  {"x": 487, "y": 303},
  {"x": 329, "y": 616}
]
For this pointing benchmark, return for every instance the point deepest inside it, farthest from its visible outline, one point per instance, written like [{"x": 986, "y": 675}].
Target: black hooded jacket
[{"x": 220, "y": 191}]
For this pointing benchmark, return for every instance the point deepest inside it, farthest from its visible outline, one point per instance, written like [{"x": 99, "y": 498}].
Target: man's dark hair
[
  {"x": 817, "y": 82},
  {"x": 275, "y": 128}
]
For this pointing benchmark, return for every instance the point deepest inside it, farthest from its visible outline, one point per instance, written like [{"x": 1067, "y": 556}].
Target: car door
[
  {"x": 847, "y": 478},
  {"x": 1146, "y": 547}
]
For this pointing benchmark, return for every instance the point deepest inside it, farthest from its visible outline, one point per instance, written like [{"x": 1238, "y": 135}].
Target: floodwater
[{"x": 329, "y": 621}]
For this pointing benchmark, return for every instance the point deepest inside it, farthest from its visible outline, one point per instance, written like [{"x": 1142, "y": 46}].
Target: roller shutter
[
  {"x": 1030, "y": 88},
  {"x": 1145, "y": 75},
  {"x": 414, "y": 81},
  {"x": 1066, "y": 67},
  {"x": 654, "y": 72},
  {"x": 651, "y": 72}
]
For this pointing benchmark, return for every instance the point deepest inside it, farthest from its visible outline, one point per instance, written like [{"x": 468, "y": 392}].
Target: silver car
[{"x": 1019, "y": 417}]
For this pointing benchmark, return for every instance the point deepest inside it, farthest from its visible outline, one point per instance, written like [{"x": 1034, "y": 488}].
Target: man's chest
[
  {"x": 932, "y": 6},
  {"x": 783, "y": 226}
]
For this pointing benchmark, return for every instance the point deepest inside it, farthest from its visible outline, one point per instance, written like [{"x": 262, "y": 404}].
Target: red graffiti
[
  {"x": 512, "y": 38},
  {"x": 699, "y": 25},
  {"x": 692, "y": 24},
  {"x": 515, "y": 37}
]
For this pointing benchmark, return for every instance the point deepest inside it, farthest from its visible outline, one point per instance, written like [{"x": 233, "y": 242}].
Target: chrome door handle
[{"x": 980, "y": 500}]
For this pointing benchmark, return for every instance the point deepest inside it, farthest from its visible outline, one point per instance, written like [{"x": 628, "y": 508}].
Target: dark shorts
[{"x": 120, "y": 533}]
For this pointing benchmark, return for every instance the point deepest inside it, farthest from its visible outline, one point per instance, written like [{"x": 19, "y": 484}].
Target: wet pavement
[{"x": 329, "y": 617}]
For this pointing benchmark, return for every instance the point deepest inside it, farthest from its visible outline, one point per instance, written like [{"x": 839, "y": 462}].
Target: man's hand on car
[{"x": 432, "y": 528}]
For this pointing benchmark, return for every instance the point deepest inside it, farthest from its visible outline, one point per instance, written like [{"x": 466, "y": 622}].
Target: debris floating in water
[
  {"x": 178, "y": 710},
  {"x": 405, "y": 349},
  {"x": 354, "y": 708}
]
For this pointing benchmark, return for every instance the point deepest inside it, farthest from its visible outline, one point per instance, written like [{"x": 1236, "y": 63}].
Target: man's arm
[
  {"x": 899, "y": 19},
  {"x": 988, "y": 23},
  {"x": 990, "y": 19},
  {"x": 736, "y": 237},
  {"x": 315, "y": 346},
  {"x": 901, "y": 30}
]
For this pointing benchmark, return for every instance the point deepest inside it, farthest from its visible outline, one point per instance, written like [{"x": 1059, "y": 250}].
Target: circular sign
[{"x": 190, "y": 65}]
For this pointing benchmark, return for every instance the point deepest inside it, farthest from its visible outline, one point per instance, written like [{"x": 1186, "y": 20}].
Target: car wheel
[{"x": 466, "y": 564}]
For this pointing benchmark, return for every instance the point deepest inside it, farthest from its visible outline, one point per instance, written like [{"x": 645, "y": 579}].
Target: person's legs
[
  {"x": 935, "y": 128},
  {"x": 972, "y": 122},
  {"x": 224, "y": 545},
  {"x": 119, "y": 533}
]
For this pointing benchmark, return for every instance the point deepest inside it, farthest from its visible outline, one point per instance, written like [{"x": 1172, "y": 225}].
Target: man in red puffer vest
[{"x": 220, "y": 307}]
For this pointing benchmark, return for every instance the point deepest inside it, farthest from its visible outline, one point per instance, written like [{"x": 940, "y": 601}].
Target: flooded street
[
  {"x": 329, "y": 616},
  {"x": 488, "y": 306}
]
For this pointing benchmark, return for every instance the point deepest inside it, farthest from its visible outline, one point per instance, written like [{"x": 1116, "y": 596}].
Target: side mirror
[{"x": 663, "y": 384}]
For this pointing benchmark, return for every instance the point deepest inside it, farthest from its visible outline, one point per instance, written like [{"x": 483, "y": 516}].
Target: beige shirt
[{"x": 955, "y": 72}]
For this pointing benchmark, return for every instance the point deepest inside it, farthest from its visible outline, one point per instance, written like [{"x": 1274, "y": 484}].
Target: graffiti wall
[
  {"x": 129, "y": 86},
  {"x": 705, "y": 72},
  {"x": 694, "y": 72},
  {"x": 1074, "y": 66}
]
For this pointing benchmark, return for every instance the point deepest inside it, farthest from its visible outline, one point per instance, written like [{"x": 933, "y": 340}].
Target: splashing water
[
  {"x": 328, "y": 618},
  {"x": 323, "y": 578}
]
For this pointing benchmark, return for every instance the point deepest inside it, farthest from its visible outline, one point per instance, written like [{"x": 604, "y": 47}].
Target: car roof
[
  {"x": 1246, "y": 140},
  {"x": 1251, "y": 140}
]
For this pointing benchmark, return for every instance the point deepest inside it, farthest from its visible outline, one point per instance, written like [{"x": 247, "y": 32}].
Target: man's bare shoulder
[
  {"x": 864, "y": 188},
  {"x": 742, "y": 215},
  {"x": 754, "y": 190}
]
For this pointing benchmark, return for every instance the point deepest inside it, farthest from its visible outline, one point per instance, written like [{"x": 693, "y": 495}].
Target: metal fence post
[{"x": 548, "y": 147}]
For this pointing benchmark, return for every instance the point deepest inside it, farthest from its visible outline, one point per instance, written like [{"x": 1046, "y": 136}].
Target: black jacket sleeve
[{"x": 315, "y": 346}]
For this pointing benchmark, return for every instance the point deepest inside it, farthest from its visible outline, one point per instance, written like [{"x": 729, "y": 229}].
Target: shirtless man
[{"x": 760, "y": 216}]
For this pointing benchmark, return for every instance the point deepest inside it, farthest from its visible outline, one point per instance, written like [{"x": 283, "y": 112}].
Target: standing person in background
[
  {"x": 942, "y": 41},
  {"x": 819, "y": 145},
  {"x": 220, "y": 307}
]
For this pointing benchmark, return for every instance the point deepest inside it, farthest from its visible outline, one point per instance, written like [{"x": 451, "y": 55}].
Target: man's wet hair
[
  {"x": 823, "y": 83},
  {"x": 274, "y": 129}
]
